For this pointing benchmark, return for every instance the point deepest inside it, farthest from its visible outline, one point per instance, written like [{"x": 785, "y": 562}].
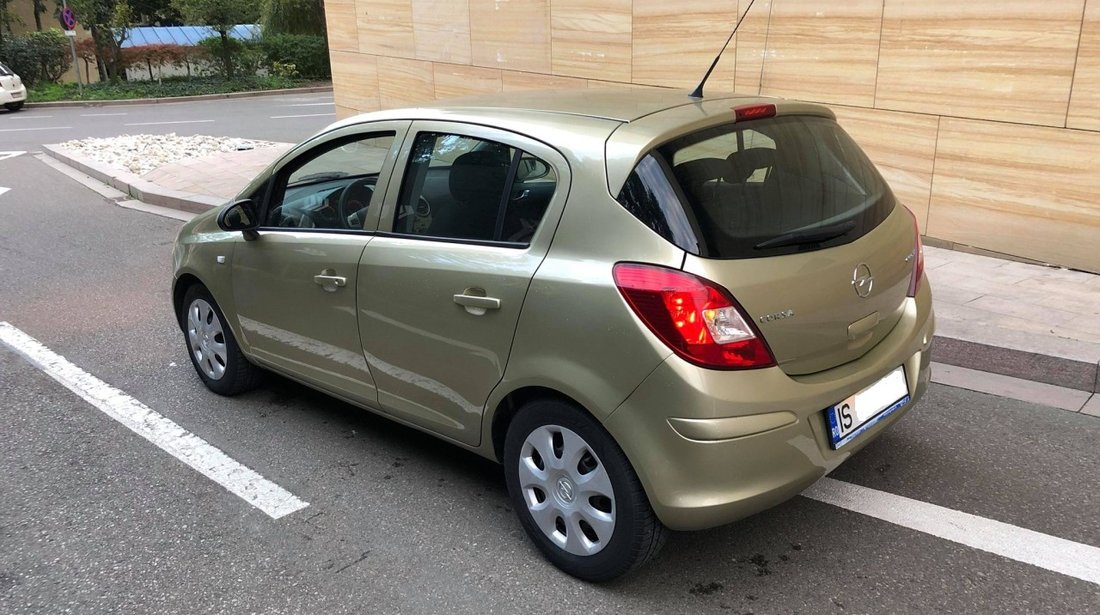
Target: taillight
[
  {"x": 696, "y": 318},
  {"x": 753, "y": 112},
  {"x": 918, "y": 258}
]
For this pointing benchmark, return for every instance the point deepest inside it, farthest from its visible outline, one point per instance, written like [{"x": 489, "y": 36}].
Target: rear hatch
[
  {"x": 791, "y": 217},
  {"x": 7, "y": 78}
]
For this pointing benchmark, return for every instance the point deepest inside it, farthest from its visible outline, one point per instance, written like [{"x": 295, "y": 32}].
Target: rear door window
[
  {"x": 760, "y": 188},
  {"x": 465, "y": 188}
]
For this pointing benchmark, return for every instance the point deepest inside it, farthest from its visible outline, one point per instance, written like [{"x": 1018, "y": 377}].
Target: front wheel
[
  {"x": 576, "y": 493},
  {"x": 214, "y": 352}
]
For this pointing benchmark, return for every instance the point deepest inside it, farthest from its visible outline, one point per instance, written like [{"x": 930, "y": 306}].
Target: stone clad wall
[{"x": 984, "y": 115}]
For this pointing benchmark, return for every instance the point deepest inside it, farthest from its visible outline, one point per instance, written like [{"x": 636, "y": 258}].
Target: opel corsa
[{"x": 655, "y": 311}]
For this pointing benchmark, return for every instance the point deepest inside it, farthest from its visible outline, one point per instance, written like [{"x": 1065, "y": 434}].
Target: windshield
[
  {"x": 759, "y": 188},
  {"x": 5, "y": 71}
]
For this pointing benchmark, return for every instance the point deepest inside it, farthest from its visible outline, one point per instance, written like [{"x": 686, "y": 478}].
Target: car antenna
[{"x": 698, "y": 93}]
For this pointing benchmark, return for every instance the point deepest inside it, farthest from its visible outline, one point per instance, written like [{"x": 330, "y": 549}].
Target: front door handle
[
  {"x": 329, "y": 281},
  {"x": 477, "y": 304}
]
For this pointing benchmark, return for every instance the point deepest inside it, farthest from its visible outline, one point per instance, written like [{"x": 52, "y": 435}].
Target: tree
[
  {"x": 109, "y": 22},
  {"x": 221, "y": 16},
  {"x": 39, "y": 7},
  {"x": 293, "y": 17},
  {"x": 7, "y": 18}
]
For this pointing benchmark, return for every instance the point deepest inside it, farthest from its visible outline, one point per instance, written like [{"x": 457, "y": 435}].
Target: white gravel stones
[{"x": 140, "y": 154}]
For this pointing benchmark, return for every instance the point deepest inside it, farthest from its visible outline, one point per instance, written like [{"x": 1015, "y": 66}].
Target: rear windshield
[{"x": 759, "y": 188}]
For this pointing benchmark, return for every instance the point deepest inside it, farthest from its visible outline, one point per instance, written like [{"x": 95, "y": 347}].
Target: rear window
[{"x": 759, "y": 188}]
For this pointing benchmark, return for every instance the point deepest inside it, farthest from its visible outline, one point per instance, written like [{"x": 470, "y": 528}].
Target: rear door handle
[
  {"x": 477, "y": 304},
  {"x": 329, "y": 281}
]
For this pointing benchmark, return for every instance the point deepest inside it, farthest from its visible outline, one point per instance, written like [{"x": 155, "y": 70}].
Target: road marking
[
  {"x": 283, "y": 117},
  {"x": 1012, "y": 388},
  {"x": 101, "y": 114},
  {"x": 1059, "y": 555},
  {"x": 167, "y": 435},
  {"x": 3, "y": 190},
  {"x": 7, "y": 155},
  {"x": 29, "y": 117},
  {"x": 175, "y": 122},
  {"x": 316, "y": 104},
  {"x": 42, "y": 128}
]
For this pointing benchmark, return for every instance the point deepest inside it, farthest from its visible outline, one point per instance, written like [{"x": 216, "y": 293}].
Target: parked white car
[{"x": 12, "y": 91}]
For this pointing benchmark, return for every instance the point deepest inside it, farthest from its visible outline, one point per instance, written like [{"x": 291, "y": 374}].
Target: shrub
[
  {"x": 308, "y": 53},
  {"x": 157, "y": 56},
  {"x": 246, "y": 56},
  {"x": 38, "y": 57}
]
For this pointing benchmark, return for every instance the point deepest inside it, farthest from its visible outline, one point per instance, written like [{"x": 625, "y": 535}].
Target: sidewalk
[{"x": 1026, "y": 321}]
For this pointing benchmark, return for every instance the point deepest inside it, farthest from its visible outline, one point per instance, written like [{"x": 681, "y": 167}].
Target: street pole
[{"x": 72, "y": 48}]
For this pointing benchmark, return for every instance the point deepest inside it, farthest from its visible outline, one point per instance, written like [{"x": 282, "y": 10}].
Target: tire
[
  {"x": 214, "y": 351},
  {"x": 15, "y": 106},
  {"x": 622, "y": 531}
]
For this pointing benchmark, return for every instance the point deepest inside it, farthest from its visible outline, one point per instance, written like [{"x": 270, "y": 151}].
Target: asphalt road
[
  {"x": 94, "y": 519},
  {"x": 289, "y": 118}
]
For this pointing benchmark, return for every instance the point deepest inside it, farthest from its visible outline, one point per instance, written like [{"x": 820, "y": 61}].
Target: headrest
[
  {"x": 698, "y": 172},
  {"x": 741, "y": 165},
  {"x": 479, "y": 175}
]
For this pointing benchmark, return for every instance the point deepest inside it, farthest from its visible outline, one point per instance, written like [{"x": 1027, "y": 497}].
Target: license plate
[
  {"x": 855, "y": 415},
  {"x": 17, "y": 95}
]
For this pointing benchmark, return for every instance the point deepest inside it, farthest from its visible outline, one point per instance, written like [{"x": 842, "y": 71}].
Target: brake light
[
  {"x": 918, "y": 258},
  {"x": 753, "y": 112},
  {"x": 698, "y": 319}
]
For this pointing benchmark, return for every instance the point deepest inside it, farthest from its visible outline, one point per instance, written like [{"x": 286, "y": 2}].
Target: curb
[
  {"x": 135, "y": 186},
  {"x": 172, "y": 99},
  {"x": 1047, "y": 369}
]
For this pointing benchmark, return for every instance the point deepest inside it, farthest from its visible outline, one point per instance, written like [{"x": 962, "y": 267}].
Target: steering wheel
[{"x": 353, "y": 202}]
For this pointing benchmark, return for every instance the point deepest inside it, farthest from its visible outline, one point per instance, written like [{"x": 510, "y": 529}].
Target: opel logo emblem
[
  {"x": 565, "y": 489},
  {"x": 862, "y": 280}
]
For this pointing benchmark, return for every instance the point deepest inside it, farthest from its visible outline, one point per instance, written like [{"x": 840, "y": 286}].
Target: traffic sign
[{"x": 68, "y": 19}]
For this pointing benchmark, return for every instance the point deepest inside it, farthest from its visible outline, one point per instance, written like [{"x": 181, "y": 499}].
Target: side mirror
[{"x": 240, "y": 216}]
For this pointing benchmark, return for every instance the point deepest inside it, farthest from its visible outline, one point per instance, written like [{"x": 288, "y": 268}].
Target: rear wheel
[
  {"x": 576, "y": 494},
  {"x": 15, "y": 106},
  {"x": 214, "y": 352}
]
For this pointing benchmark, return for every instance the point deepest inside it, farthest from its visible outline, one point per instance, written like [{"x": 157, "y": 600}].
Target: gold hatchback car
[{"x": 656, "y": 311}]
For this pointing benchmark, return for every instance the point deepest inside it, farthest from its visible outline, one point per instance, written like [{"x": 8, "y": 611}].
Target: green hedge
[
  {"x": 175, "y": 86},
  {"x": 37, "y": 57},
  {"x": 307, "y": 53}
]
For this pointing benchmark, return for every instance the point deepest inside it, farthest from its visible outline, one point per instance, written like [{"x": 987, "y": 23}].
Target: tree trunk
[{"x": 227, "y": 55}]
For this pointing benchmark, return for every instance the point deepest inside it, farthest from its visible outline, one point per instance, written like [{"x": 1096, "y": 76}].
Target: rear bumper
[
  {"x": 19, "y": 94},
  {"x": 712, "y": 447}
]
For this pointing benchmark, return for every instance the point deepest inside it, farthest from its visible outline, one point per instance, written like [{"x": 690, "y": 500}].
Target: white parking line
[
  {"x": 316, "y": 104},
  {"x": 42, "y": 128},
  {"x": 101, "y": 114},
  {"x": 1007, "y": 386},
  {"x": 192, "y": 450},
  {"x": 28, "y": 117},
  {"x": 283, "y": 117},
  {"x": 1074, "y": 559},
  {"x": 175, "y": 122},
  {"x": 3, "y": 190}
]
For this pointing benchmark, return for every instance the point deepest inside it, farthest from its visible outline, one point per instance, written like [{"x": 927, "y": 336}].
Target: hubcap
[
  {"x": 206, "y": 338},
  {"x": 567, "y": 490}
]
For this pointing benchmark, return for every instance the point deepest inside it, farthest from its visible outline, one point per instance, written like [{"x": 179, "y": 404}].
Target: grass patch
[{"x": 167, "y": 88}]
